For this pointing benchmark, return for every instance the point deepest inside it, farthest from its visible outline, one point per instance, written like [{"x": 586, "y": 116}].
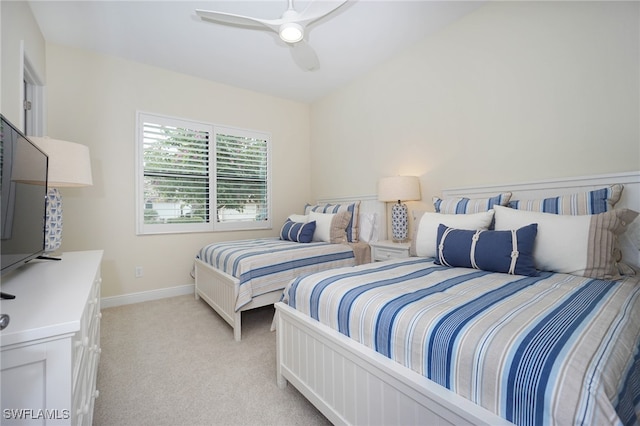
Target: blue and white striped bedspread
[
  {"x": 555, "y": 349},
  {"x": 267, "y": 264}
]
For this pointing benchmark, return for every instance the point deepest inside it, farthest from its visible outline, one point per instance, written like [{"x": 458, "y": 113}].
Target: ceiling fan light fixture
[{"x": 291, "y": 32}]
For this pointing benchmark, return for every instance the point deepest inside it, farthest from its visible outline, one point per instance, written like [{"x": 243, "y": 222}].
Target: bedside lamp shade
[
  {"x": 69, "y": 166},
  {"x": 69, "y": 163},
  {"x": 399, "y": 188}
]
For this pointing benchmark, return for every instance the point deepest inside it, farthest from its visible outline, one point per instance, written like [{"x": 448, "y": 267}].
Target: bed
[
  {"x": 233, "y": 277},
  {"x": 549, "y": 347}
]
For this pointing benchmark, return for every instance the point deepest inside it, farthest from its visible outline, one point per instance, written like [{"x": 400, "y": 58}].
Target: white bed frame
[
  {"x": 220, "y": 290},
  {"x": 352, "y": 384}
]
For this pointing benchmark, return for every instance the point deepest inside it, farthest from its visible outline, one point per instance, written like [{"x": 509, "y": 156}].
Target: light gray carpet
[{"x": 174, "y": 362}]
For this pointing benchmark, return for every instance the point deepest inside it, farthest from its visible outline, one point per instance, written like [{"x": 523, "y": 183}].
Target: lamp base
[
  {"x": 399, "y": 223},
  {"x": 53, "y": 223}
]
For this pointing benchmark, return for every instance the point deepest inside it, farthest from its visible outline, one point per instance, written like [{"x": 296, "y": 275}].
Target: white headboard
[
  {"x": 369, "y": 204},
  {"x": 630, "y": 241}
]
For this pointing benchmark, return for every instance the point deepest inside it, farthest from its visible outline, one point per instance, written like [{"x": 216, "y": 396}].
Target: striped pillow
[
  {"x": 580, "y": 245},
  {"x": 297, "y": 232},
  {"x": 354, "y": 208},
  {"x": 593, "y": 202},
  {"x": 464, "y": 205}
]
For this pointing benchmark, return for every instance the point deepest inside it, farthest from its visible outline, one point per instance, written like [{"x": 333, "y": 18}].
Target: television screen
[{"x": 23, "y": 181}]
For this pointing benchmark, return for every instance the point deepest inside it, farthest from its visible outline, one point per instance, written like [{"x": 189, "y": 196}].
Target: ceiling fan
[{"x": 291, "y": 27}]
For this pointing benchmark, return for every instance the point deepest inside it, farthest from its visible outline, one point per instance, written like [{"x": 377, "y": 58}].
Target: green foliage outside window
[{"x": 177, "y": 173}]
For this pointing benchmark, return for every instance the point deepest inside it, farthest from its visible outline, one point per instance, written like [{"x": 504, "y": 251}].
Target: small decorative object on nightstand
[
  {"x": 399, "y": 188},
  {"x": 386, "y": 250}
]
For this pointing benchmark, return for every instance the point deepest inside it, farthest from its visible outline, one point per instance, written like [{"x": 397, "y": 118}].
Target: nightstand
[{"x": 387, "y": 249}]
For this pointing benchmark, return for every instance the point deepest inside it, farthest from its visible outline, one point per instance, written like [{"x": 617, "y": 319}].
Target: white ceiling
[{"x": 168, "y": 34}]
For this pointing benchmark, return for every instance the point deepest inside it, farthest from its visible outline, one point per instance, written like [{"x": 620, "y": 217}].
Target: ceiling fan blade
[
  {"x": 245, "y": 21},
  {"x": 317, "y": 9},
  {"x": 304, "y": 56}
]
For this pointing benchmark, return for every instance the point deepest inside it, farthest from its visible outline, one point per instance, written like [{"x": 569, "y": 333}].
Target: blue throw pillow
[
  {"x": 510, "y": 252},
  {"x": 297, "y": 231}
]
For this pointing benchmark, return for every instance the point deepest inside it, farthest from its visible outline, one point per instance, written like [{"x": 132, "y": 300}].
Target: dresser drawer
[
  {"x": 84, "y": 340},
  {"x": 86, "y": 355}
]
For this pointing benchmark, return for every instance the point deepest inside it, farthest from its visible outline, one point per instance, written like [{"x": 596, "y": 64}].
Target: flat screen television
[{"x": 23, "y": 182}]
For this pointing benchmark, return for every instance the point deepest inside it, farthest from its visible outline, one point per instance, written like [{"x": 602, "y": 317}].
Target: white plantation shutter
[
  {"x": 198, "y": 177},
  {"x": 242, "y": 191}
]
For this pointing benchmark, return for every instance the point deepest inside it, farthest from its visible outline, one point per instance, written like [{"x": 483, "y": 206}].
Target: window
[{"x": 199, "y": 177}]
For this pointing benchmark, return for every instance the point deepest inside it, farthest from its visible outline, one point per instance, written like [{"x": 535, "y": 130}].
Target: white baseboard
[{"x": 145, "y": 296}]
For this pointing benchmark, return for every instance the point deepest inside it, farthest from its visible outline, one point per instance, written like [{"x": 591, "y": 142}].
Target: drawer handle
[
  {"x": 84, "y": 342},
  {"x": 84, "y": 410}
]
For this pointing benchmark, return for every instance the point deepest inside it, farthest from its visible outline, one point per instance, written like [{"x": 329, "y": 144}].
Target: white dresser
[{"x": 51, "y": 348}]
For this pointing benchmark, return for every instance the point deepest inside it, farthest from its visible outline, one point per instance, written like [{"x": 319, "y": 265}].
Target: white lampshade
[
  {"x": 69, "y": 162},
  {"x": 399, "y": 188}
]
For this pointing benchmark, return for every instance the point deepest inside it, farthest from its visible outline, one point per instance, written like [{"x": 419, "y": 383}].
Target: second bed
[{"x": 235, "y": 276}]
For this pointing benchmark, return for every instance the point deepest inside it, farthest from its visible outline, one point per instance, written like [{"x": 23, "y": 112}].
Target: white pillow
[
  {"x": 302, "y": 218},
  {"x": 368, "y": 229},
  {"x": 579, "y": 245},
  {"x": 562, "y": 240},
  {"x": 323, "y": 226},
  {"x": 427, "y": 228}
]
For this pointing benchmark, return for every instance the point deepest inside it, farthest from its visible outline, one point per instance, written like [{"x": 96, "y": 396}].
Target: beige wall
[
  {"x": 20, "y": 38},
  {"x": 512, "y": 92},
  {"x": 93, "y": 100}
]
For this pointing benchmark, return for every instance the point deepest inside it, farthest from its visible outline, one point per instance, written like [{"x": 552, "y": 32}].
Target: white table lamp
[
  {"x": 399, "y": 188},
  {"x": 69, "y": 166}
]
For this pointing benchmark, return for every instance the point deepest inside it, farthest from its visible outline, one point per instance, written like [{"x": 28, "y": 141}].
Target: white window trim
[{"x": 213, "y": 225}]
